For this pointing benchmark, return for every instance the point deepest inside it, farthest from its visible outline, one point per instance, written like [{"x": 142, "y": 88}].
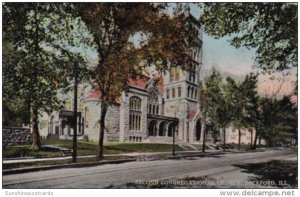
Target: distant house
[{"x": 232, "y": 136}]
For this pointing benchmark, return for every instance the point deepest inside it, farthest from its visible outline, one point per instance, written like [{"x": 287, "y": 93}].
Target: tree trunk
[
  {"x": 203, "y": 129},
  {"x": 224, "y": 136},
  {"x": 255, "y": 139},
  {"x": 239, "y": 145},
  {"x": 259, "y": 140},
  {"x": 36, "y": 141},
  {"x": 104, "y": 108}
]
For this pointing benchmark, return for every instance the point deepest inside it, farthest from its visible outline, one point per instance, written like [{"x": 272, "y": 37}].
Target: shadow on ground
[{"x": 282, "y": 174}]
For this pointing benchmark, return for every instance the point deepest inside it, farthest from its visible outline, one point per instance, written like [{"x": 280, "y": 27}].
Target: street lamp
[
  {"x": 74, "y": 152},
  {"x": 175, "y": 126}
]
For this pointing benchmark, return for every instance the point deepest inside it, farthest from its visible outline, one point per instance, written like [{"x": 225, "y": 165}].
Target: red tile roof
[
  {"x": 160, "y": 84},
  {"x": 139, "y": 82},
  {"x": 94, "y": 95},
  {"x": 192, "y": 115}
]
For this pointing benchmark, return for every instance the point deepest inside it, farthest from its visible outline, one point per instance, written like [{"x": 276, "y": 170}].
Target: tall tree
[
  {"x": 219, "y": 105},
  {"x": 252, "y": 111},
  {"x": 241, "y": 97},
  {"x": 34, "y": 75},
  {"x": 112, "y": 26},
  {"x": 269, "y": 28}
]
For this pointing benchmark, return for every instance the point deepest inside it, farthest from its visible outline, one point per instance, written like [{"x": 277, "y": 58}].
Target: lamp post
[
  {"x": 74, "y": 152},
  {"x": 173, "y": 134},
  {"x": 203, "y": 109}
]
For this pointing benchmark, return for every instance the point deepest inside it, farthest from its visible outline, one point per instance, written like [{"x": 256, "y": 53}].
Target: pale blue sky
[{"x": 237, "y": 62}]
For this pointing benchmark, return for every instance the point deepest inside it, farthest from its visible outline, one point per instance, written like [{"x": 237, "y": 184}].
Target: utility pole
[{"x": 74, "y": 153}]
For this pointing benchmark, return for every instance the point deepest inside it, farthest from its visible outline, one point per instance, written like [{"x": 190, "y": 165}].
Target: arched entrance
[
  {"x": 153, "y": 128},
  {"x": 162, "y": 129},
  {"x": 198, "y": 130},
  {"x": 171, "y": 129}
]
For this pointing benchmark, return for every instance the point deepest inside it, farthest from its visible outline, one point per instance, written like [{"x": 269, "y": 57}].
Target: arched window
[
  {"x": 135, "y": 104},
  {"x": 179, "y": 91},
  {"x": 192, "y": 92},
  {"x": 168, "y": 93},
  {"x": 177, "y": 73},
  {"x": 173, "y": 92},
  {"x": 188, "y": 92},
  {"x": 195, "y": 94},
  {"x": 172, "y": 74},
  {"x": 87, "y": 117},
  {"x": 154, "y": 101}
]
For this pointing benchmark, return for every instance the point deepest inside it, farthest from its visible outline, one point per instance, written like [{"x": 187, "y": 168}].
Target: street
[{"x": 112, "y": 175}]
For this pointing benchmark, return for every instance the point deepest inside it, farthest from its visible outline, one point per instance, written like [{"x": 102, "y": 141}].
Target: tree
[
  {"x": 241, "y": 96},
  {"x": 279, "y": 121},
  {"x": 203, "y": 111},
  {"x": 252, "y": 112},
  {"x": 269, "y": 28},
  {"x": 219, "y": 105},
  {"x": 32, "y": 71},
  {"x": 112, "y": 25}
]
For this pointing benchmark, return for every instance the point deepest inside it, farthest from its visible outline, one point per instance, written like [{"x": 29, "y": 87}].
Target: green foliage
[
  {"x": 269, "y": 28},
  {"x": 219, "y": 100}
]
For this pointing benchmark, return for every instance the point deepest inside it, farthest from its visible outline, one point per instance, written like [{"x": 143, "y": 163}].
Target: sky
[
  {"x": 230, "y": 61},
  {"x": 236, "y": 62}
]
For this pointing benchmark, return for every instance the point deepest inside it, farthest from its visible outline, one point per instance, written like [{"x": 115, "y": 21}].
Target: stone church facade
[{"x": 151, "y": 110}]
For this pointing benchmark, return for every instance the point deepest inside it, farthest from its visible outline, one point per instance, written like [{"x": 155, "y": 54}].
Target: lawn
[
  {"x": 26, "y": 151},
  {"x": 85, "y": 148}
]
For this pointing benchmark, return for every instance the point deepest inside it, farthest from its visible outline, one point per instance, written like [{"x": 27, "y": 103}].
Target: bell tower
[{"x": 181, "y": 87}]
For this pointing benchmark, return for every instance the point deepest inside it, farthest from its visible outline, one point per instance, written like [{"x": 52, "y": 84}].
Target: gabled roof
[
  {"x": 139, "y": 82},
  {"x": 94, "y": 95}
]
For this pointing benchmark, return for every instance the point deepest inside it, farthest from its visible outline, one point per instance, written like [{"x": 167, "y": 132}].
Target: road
[{"x": 120, "y": 174}]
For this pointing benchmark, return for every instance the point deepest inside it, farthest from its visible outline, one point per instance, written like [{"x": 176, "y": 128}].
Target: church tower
[{"x": 181, "y": 88}]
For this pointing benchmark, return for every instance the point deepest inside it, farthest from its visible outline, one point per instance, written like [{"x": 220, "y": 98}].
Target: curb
[
  {"x": 195, "y": 155},
  {"x": 73, "y": 165},
  {"x": 90, "y": 164}
]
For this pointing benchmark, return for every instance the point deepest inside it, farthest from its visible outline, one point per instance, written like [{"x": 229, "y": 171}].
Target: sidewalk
[{"x": 134, "y": 154}]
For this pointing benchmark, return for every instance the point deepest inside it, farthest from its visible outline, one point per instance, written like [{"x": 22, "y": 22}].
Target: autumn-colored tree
[{"x": 113, "y": 26}]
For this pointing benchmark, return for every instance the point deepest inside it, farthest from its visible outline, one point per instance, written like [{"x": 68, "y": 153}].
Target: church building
[{"x": 151, "y": 111}]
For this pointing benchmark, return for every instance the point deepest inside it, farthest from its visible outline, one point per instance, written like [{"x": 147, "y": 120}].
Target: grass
[
  {"x": 85, "y": 148},
  {"x": 26, "y": 151}
]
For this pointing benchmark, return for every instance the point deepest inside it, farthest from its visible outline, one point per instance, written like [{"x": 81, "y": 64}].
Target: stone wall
[{"x": 12, "y": 136}]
